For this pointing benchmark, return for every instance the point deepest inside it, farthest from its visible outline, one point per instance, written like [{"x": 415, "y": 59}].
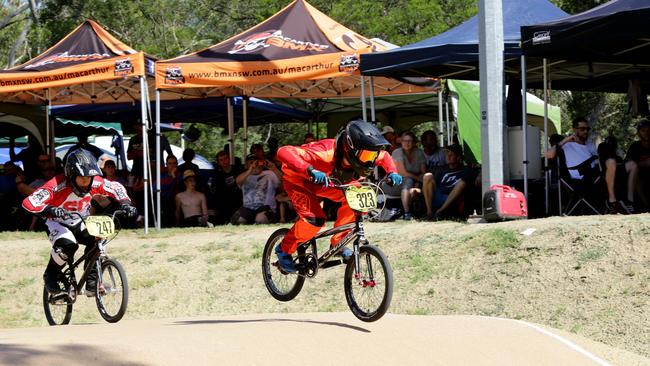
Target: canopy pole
[
  {"x": 441, "y": 124},
  {"x": 546, "y": 172},
  {"x": 449, "y": 139},
  {"x": 245, "y": 123},
  {"x": 364, "y": 113},
  {"x": 145, "y": 150},
  {"x": 231, "y": 130},
  {"x": 372, "y": 100},
  {"x": 49, "y": 133},
  {"x": 524, "y": 125},
  {"x": 159, "y": 161}
]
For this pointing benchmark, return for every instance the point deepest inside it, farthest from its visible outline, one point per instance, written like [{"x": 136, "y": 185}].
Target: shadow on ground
[
  {"x": 335, "y": 324},
  {"x": 16, "y": 354}
]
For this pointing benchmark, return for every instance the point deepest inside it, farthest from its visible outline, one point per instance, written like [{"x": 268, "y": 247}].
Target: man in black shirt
[
  {"x": 225, "y": 197},
  {"x": 444, "y": 194},
  {"x": 639, "y": 153}
]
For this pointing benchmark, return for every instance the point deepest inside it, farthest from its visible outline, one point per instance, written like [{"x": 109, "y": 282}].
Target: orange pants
[{"x": 306, "y": 201}]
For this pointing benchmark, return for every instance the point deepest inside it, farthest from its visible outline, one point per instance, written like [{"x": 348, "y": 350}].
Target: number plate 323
[
  {"x": 361, "y": 198},
  {"x": 100, "y": 226}
]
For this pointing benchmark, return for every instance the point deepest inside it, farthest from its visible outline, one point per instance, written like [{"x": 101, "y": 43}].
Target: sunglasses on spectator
[{"x": 584, "y": 129}]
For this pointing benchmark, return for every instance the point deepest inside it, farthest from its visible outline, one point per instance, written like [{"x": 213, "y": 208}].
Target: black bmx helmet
[
  {"x": 80, "y": 163},
  {"x": 358, "y": 145}
]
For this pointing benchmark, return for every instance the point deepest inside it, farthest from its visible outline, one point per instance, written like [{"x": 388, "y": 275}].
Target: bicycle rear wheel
[
  {"x": 281, "y": 286},
  {"x": 58, "y": 309},
  {"x": 112, "y": 294},
  {"x": 369, "y": 296}
]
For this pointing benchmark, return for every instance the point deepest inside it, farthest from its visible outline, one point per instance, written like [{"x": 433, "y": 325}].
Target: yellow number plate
[
  {"x": 100, "y": 226},
  {"x": 361, "y": 198}
]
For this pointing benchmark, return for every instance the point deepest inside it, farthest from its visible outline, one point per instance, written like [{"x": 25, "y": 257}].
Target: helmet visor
[{"x": 367, "y": 156}]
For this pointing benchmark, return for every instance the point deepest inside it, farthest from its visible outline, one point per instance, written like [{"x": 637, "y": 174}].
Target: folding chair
[{"x": 579, "y": 190}]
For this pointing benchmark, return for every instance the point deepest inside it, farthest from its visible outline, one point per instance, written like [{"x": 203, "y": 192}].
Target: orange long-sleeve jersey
[{"x": 320, "y": 155}]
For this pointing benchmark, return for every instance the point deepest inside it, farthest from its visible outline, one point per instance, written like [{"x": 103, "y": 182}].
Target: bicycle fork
[{"x": 361, "y": 238}]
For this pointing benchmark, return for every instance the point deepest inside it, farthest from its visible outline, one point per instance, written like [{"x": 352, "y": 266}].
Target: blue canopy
[
  {"x": 455, "y": 53},
  {"x": 204, "y": 110},
  {"x": 599, "y": 49}
]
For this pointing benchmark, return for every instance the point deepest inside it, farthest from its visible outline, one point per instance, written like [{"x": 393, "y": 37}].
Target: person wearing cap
[
  {"x": 258, "y": 184},
  {"x": 444, "y": 193},
  {"x": 389, "y": 134},
  {"x": 191, "y": 205},
  {"x": 639, "y": 153}
]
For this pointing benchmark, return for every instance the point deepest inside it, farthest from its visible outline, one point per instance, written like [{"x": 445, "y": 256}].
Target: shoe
[
  {"x": 628, "y": 206},
  {"x": 616, "y": 207},
  {"x": 285, "y": 261},
  {"x": 345, "y": 253},
  {"x": 52, "y": 283},
  {"x": 407, "y": 216},
  {"x": 91, "y": 288}
]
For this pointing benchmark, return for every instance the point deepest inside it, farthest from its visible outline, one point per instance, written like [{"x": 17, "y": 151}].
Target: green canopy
[{"x": 469, "y": 111}]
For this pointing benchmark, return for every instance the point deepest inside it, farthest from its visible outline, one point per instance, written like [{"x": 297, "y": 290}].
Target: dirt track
[{"x": 309, "y": 339}]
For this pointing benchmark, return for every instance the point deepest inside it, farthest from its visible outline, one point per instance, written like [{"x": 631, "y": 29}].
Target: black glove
[
  {"x": 58, "y": 212},
  {"x": 129, "y": 210}
]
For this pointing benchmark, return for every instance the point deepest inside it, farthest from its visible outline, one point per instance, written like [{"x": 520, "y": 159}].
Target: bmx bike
[
  {"x": 368, "y": 277},
  {"x": 112, "y": 291}
]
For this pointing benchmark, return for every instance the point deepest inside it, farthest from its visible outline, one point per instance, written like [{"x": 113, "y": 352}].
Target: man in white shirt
[{"x": 578, "y": 148}]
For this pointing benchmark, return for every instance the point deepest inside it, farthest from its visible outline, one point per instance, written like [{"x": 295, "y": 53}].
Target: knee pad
[
  {"x": 316, "y": 221},
  {"x": 62, "y": 250}
]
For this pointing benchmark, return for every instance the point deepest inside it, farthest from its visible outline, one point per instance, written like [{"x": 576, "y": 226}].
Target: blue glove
[
  {"x": 395, "y": 178},
  {"x": 318, "y": 177}
]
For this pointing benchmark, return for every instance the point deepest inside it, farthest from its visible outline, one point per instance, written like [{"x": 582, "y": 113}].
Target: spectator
[
  {"x": 188, "y": 156},
  {"x": 432, "y": 151},
  {"x": 110, "y": 172},
  {"x": 639, "y": 152},
  {"x": 258, "y": 151},
  {"x": 309, "y": 137},
  {"x": 82, "y": 143},
  {"x": 258, "y": 183},
  {"x": 191, "y": 205},
  {"x": 226, "y": 197},
  {"x": 578, "y": 149},
  {"x": 445, "y": 192},
  {"x": 28, "y": 156},
  {"x": 170, "y": 182},
  {"x": 389, "y": 134},
  {"x": 411, "y": 164}
]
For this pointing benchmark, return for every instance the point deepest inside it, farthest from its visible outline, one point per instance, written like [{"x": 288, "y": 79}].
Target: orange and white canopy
[
  {"x": 297, "y": 53},
  {"x": 89, "y": 65}
]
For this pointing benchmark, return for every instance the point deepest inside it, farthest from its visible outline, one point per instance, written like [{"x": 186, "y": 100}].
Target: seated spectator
[
  {"x": 110, "y": 172},
  {"x": 411, "y": 164},
  {"x": 578, "y": 149},
  {"x": 188, "y": 156},
  {"x": 226, "y": 196},
  {"x": 389, "y": 134},
  {"x": 258, "y": 151},
  {"x": 191, "y": 205},
  {"x": 444, "y": 193},
  {"x": 258, "y": 184},
  {"x": 309, "y": 137},
  {"x": 639, "y": 152},
  {"x": 432, "y": 151}
]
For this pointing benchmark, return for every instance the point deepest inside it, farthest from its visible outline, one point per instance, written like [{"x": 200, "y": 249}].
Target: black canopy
[
  {"x": 455, "y": 53},
  {"x": 599, "y": 49}
]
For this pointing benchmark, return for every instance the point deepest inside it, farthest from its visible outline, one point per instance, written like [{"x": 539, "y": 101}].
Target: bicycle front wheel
[
  {"x": 282, "y": 286},
  {"x": 112, "y": 294},
  {"x": 370, "y": 294},
  {"x": 58, "y": 309}
]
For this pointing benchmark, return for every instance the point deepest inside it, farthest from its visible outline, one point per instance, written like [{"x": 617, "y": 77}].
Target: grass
[{"x": 586, "y": 277}]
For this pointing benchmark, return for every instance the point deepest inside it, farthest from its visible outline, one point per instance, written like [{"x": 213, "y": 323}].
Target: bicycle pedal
[{"x": 332, "y": 263}]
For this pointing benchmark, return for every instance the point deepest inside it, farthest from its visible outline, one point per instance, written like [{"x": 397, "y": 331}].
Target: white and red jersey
[{"x": 57, "y": 192}]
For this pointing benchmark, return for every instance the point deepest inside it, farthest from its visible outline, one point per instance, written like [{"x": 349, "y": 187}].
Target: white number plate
[
  {"x": 100, "y": 226},
  {"x": 361, "y": 198}
]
